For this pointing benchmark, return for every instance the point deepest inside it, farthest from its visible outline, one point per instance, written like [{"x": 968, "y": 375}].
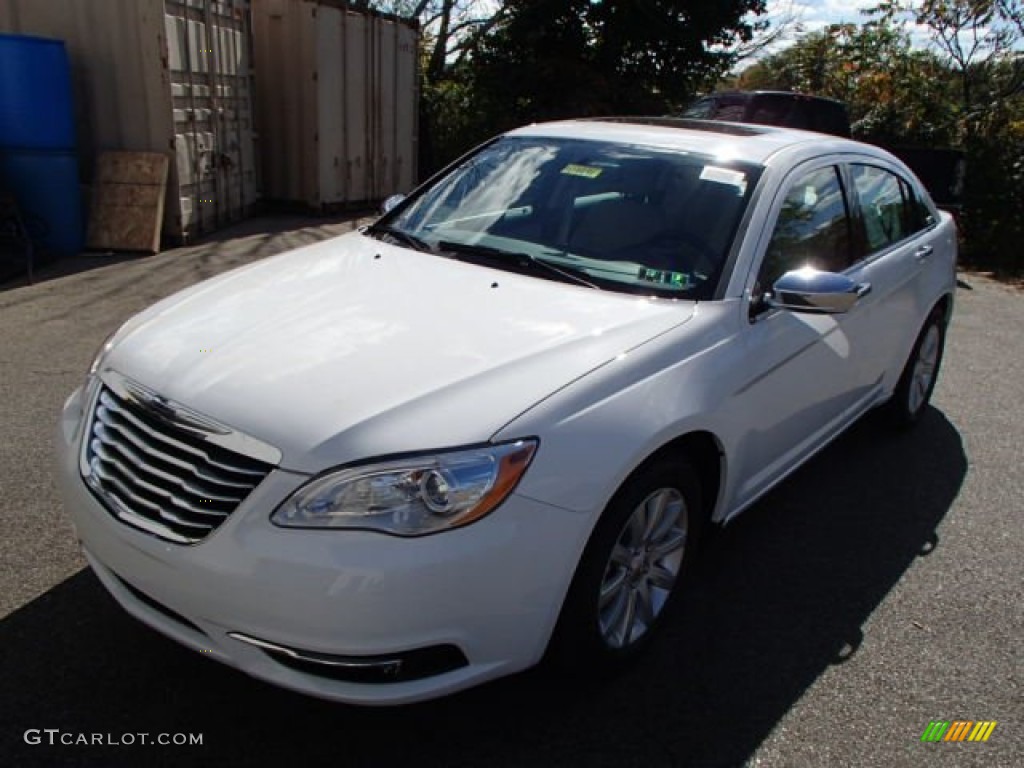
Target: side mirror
[
  {"x": 389, "y": 204},
  {"x": 815, "y": 292}
]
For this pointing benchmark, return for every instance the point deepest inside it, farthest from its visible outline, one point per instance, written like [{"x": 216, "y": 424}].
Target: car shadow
[{"x": 777, "y": 598}]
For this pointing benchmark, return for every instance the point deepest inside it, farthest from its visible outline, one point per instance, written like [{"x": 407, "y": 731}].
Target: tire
[
  {"x": 633, "y": 565},
  {"x": 917, "y": 382}
]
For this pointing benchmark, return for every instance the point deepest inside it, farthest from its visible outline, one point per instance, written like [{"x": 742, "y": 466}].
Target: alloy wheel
[
  {"x": 924, "y": 369},
  {"x": 643, "y": 567}
]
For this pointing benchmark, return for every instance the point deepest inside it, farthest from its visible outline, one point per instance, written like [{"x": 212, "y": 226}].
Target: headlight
[{"x": 411, "y": 497}]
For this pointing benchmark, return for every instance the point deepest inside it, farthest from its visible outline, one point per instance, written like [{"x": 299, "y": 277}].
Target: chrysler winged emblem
[{"x": 171, "y": 412}]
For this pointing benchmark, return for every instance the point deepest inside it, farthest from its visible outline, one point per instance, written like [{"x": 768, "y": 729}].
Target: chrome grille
[{"x": 163, "y": 479}]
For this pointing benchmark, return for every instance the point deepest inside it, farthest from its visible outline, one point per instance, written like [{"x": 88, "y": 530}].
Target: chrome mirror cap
[
  {"x": 816, "y": 292},
  {"x": 389, "y": 204}
]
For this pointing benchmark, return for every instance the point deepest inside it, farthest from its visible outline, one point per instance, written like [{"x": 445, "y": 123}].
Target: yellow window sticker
[{"x": 586, "y": 171}]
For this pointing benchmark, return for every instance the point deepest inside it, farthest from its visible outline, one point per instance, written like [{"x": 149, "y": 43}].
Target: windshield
[{"x": 609, "y": 215}]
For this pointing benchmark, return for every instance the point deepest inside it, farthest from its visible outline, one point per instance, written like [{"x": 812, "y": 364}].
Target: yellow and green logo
[{"x": 958, "y": 730}]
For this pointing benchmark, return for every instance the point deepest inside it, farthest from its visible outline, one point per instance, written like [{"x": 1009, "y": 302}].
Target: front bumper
[{"x": 491, "y": 590}]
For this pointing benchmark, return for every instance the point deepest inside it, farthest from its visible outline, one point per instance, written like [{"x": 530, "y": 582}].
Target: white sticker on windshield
[{"x": 736, "y": 179}]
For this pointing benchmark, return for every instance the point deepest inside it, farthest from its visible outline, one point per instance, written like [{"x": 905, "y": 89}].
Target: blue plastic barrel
[
  {"x": 36, "y": 107},
  {"x": 45, "y": 184}
]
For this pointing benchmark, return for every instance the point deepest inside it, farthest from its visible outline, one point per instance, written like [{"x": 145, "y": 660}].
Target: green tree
[
  {"x": 966, "y": 90},
  {"x": 559, "y": 58},
  {"x": 980, "y": 43},
  {"x": 894, "y": 93},
  {"x": 489, "y": 65}
]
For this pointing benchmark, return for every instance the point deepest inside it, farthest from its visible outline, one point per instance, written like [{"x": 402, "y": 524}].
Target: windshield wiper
[
  {"x": 401, "y": 236},
  {"x": 520, "y": 259}
]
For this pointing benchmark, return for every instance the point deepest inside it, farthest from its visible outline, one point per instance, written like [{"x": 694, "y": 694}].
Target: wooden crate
[{"x": 128, "y": 201}]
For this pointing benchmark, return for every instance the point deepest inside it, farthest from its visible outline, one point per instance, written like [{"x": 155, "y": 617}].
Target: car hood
[{"x": 353, "y": 348}]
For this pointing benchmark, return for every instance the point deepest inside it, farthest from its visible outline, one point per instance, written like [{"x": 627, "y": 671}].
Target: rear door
[{"x": 897, "y": 234}]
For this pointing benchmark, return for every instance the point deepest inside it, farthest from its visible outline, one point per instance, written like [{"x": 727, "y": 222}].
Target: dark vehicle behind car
[
  {"x": 783, "y": 108},
  {"x": 940, "y": 170}
]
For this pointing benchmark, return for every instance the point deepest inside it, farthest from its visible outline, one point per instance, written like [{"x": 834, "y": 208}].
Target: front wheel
[
  {"x": 917, "y": 382},
  {"x": 631, "y": 571}
]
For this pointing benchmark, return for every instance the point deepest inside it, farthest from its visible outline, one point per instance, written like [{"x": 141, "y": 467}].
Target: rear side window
[
  {"x": 889, "y": 210},
  {"x": 830, "y": 118},
  {"x": 795, "y": 111},
  {"x": 923, "y": 217},
  {"x": 769, "y": 109},
  {"x": 813, "y": 228},
  {"x": 700, "y": 110},
  {"x": 730, "y": 107}
]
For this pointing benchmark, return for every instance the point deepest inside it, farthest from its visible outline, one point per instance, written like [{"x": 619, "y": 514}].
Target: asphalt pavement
[{"x": 876, "y": 590}]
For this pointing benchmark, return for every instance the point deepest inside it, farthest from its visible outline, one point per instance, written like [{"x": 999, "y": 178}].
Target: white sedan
[{"x": 490, "y": 427}]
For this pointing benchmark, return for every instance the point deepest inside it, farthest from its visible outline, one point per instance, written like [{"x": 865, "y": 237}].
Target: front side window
[
  {"x": 813, "y": 229},
  {"x": 616, "y": 216},
  {"x": 886, "y": 207}
]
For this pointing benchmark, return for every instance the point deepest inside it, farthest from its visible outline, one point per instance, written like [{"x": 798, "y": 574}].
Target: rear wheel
[
  {"x": 916, "y": 384},
  {"x": 631, "y": 571}
]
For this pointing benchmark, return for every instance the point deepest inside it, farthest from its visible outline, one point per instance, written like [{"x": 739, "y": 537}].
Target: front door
[{"x": 802, "y": 373}]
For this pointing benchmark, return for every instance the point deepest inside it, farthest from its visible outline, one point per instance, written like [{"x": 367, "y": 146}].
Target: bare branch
[{"x": 785, "y": 22}]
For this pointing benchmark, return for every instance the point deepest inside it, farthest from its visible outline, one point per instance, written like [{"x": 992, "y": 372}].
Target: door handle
[
  {"x": 863, "y": 289},
  {"x": 923, "y": 252}
]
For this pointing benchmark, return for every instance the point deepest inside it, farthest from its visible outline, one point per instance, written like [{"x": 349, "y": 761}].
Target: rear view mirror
[
  {"x": 816, "y": 292},
  {"x": 389, "y": 204}
]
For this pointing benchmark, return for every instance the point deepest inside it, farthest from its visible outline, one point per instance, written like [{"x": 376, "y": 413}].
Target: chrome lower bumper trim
[{"x": 391, "y": 668}]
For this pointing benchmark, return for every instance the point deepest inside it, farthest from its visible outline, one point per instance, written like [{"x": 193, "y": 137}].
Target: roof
[
  {"x": 784, "y": 94},
  {"x": 742, "y": 141}
]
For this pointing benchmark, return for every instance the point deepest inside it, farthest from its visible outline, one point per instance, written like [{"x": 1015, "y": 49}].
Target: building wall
[
  {"x": 286, "y": 99},
  {"x": 155, "y": 76},
  {"x": 122, "y": 88},
  {"x": 337, "y": 102}
]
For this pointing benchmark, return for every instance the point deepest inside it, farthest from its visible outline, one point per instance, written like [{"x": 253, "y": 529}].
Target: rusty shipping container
[
  {"x": 337, "y": 103},
  {"x": 172, "y": 76}
]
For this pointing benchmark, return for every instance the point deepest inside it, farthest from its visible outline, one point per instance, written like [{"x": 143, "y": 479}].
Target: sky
[{"x": 813, "y": 15}]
